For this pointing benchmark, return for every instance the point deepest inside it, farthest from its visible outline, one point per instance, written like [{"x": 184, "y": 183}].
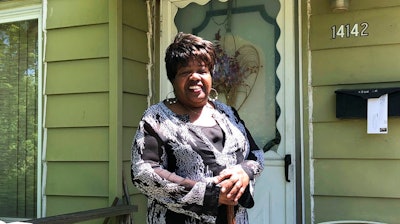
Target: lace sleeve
[{"x": 181, "y": 195}]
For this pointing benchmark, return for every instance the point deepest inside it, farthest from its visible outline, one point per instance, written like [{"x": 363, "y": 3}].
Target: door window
[{"x": 246, "y": 34}]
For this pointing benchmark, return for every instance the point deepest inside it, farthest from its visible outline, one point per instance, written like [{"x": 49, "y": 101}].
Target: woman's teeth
[{"x": 194, "y": 87}]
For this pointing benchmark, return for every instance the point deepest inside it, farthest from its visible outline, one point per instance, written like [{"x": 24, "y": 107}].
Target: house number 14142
[{"x": 346, "y": 30}]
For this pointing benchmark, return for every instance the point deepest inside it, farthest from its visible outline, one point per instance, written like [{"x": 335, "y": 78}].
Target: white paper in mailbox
[{"x": 377, "y": 115}]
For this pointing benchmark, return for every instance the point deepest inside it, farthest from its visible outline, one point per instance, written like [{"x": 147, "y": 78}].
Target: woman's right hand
[
  {"x": 233, "y": 182},
  {"x": 223, "y": 194}
]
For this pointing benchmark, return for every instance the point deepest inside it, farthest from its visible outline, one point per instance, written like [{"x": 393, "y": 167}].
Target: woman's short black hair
[{"x": 185, "y": 48}]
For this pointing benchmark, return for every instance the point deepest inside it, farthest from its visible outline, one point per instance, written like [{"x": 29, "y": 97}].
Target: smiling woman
[
  {"x": 192, "y": 156},
  {"x": 268, "y": 110}
]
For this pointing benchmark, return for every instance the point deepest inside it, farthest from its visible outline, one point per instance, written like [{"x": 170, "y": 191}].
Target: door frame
[{"x": 287, "y": 97}]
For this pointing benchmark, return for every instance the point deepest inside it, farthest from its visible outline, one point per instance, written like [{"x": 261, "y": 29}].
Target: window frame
[{"x": 22, "y": 13}]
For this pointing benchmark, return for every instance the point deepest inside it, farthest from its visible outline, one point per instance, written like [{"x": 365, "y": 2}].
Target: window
[{"x": 20, "y": 120}]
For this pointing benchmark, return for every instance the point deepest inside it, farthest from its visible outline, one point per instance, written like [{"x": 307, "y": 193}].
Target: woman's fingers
[
  {"x": 226, "y": 185},
  {"x": 238, "y": 181},
  {"x": 233, "y": 182},
  {"x": 223, "y": 175},
  {"x": 224, "y": 199},
  {"x": 240, "y": 193},
  {"x": 232, "y": 188}
]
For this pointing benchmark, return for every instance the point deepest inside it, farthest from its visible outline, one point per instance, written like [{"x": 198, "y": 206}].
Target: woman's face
[{"x": 192, "y": 84}]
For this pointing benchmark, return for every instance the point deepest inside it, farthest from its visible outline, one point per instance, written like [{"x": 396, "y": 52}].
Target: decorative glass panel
[{"x": 246, "y": 35}]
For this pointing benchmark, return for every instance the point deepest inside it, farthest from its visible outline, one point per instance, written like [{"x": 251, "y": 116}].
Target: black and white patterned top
[{"x": 174, "y": 161}]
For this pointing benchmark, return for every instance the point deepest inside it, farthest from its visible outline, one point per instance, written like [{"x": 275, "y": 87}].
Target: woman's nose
[{"x": 195, "y": 76}]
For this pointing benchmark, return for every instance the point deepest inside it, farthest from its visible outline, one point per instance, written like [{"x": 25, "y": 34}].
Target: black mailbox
[{"x": 352, "y": 103}]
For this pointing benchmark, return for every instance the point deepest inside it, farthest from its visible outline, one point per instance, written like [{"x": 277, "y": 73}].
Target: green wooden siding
[
  {"x": 367, "y": 207},
  {"x": 69, "y": 13},
  {"x": 134, "y": 15},
  {"x": 131, "y": 49},
  {"x": 355, "y": 175},
  {"x": 87, "y": 179},
  {"x": 78, "y": 77},
  {"x": 357, "y": 178},
  {"x": 96, "y": 90},
  {"x": 135, "y": 87},
  {"x": 77, "y": 144},
  {"x": 133, "y": 111},
  {"x": 372, "y": 64},
  {"x": 77, "y": 110},
  {"x": 58, "y": 204},
  {"x": 75, "y": 43},
  {"x": 332, "y": 141},
  {"x": 135, "y": 77},
  {"x": 383, "y": 28},
  {"x": 21, "y": 3}
]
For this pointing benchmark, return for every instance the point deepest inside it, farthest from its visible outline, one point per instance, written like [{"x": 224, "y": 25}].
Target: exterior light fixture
[{"x": 339, "y": 5}]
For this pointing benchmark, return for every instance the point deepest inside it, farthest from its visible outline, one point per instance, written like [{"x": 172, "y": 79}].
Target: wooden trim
[{"x": 113, "y": 211}]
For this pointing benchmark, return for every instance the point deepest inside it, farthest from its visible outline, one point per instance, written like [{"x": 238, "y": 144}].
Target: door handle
[{"x": 288, "y": 161}]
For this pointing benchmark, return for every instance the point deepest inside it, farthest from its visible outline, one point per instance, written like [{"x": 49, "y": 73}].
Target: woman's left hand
[{"x": 233, "y": 181}]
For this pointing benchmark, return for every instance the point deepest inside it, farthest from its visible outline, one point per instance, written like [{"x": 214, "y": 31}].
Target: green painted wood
[
  {"x": 77, "y": 110},
  {"x": 77, "y": 30},
  {"x": 136, "y": 197},
  {"x": 348, "y": 139},
  {"x": 66, "y": 13},
  {"x": 382, "y": 29},
  {"x": 324, "y": 103},
  {"x": 97, "y": 56},
  {"x": 134, "y": 14},
  {"x": 323, "y": 7},
  {"x": 356, "y": 65},
  {"x": 78, "y": 76},
  {"x": 77, "y": 144},
  {"x": 128, "y": 134},
  {"x": 357, "y": 178},
  {"x": 141, "y": 201},
  {"x": 353, "y": 175},
  {"x": 135, "y": 77},
  {"x": 18, "y": 3},
  {"x": 77, "y": 43},
  {"x": 77, "y": 179},
  {"x": 56, "y": 204},
  {"x": 119, "y": 212},
  {"x": 133, "y": 108},
  {"x": 352, "y": 208},
  {"x": 21, "y": 3},
  {"x": 135, "y": 44},
  {"x": 127, "y": 170},
  {"x": 371, "y": 4},
  {"x": 115, "y": 187}
]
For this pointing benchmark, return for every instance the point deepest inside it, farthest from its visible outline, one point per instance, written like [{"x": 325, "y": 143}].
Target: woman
[{"x": 192, "y": 156}]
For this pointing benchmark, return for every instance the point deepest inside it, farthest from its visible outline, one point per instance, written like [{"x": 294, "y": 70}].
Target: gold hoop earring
[
  {"x": 213, "y": 95},
  {"x": 171, "y": 100}
]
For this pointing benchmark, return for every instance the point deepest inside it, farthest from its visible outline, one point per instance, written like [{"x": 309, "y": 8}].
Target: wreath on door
[{"x": 236, "y": 69}]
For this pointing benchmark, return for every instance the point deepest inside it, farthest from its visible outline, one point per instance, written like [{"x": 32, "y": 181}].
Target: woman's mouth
[{"x": 195, "y": 88}]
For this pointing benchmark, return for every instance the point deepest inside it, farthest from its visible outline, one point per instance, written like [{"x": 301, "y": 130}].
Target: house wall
[
  {"x": 349, "y": 174},
  {"x": 135, "y": 88},
  {"x": 96, "y": 89}
]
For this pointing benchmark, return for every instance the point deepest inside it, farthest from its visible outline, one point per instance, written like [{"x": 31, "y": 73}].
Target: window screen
[{"x": 18, "y": 118}]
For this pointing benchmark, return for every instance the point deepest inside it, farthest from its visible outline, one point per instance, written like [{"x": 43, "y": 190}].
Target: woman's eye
[
  {"x": 203, "y": 72},
  {"x": 184, "y": 73}
]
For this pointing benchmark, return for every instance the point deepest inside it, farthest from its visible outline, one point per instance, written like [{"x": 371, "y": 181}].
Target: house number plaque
[{"x": 348, "y": 30}]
